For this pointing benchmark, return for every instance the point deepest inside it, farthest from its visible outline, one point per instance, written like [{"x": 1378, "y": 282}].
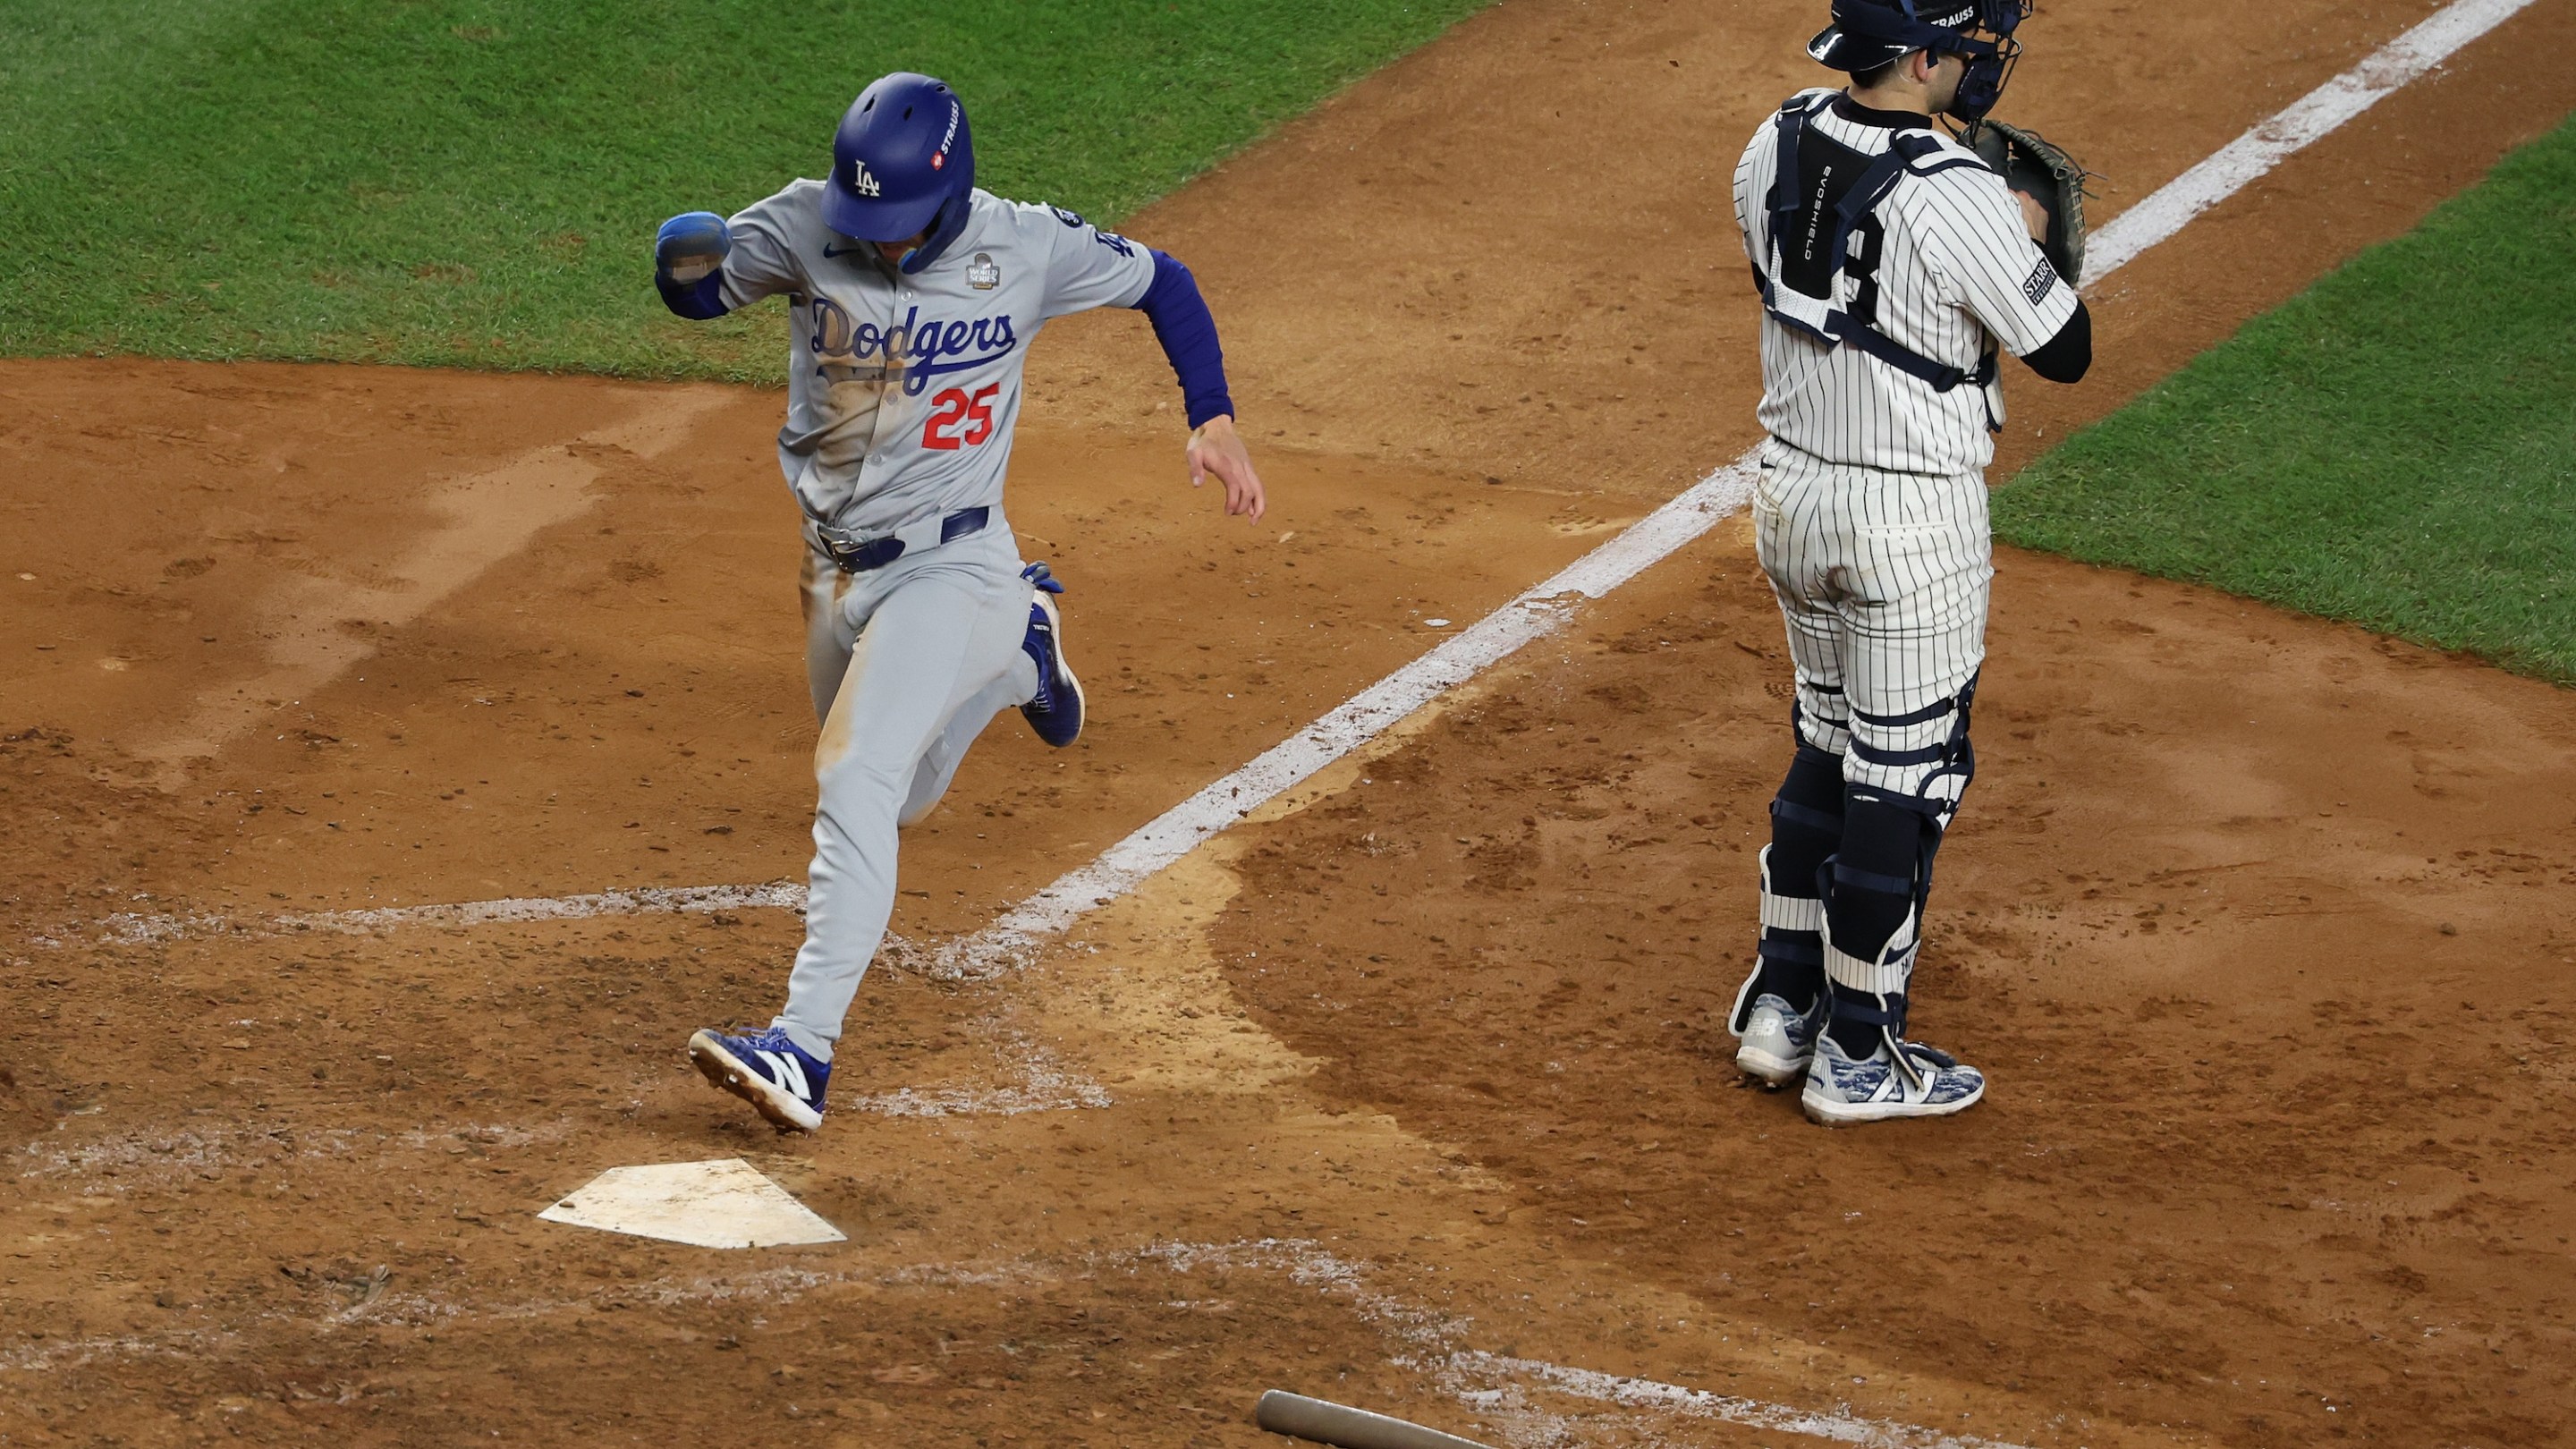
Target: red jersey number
[{"x": 955, "y": 406}]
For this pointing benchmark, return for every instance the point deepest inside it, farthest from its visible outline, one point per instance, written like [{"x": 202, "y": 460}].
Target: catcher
[{"x": 1894, "y": 263}]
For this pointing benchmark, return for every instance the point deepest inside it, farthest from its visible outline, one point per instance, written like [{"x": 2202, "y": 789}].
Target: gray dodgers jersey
[
  {"x": 903, "y": 391},
  {"x": 1958, "y": 268}
]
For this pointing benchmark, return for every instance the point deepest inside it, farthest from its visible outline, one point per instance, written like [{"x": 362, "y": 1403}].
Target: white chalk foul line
[
  {"x": 2229, "y": 169},
  {"x": 1012, "y": 939}
]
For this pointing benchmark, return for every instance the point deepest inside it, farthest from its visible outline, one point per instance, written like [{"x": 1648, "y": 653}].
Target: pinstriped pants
[{"x": 1883, "y": 580}]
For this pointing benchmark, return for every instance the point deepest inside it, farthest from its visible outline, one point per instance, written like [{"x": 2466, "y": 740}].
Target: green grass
[
  {"x": 477, "y": 184},
  {"x": 2396, "y": 446}
]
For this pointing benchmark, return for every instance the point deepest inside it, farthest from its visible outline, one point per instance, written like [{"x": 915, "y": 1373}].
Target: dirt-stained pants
[{"x": 908, "y": 663}]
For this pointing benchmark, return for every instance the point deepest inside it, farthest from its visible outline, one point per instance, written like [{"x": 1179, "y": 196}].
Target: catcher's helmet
[
  {"x": 1867, "y": 34},
  {"x": 902, "y": 164}
]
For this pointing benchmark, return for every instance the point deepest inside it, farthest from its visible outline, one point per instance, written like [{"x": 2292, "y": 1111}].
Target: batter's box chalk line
[
  {"x": 141, "y": 1160},
  {"x": 1511, "y": 1390},
  {"x": 131, "y": 928},
  {"x": 401, "y": 1308},
  {"x": 1044, "y": 1085},
  {"x": 1507, "y": 1389}
]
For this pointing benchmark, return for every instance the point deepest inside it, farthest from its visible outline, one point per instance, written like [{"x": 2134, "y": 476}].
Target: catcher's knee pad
[{"x": 1921, "y": 755}]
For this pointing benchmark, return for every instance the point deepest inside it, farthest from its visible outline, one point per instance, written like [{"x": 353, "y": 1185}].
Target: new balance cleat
[
  {"x": 1056, "y": 712},
  {"x": 773, "y": 1074},
  {"x": 1884, "y": 1085},
  {"x": 1776, "y": 1041}
]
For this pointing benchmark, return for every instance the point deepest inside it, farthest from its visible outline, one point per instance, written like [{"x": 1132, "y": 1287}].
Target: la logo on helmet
[{"x": 862, "y": 182}]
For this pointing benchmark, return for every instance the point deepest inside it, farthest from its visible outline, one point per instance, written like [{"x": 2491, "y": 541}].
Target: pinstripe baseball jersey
[{"x": 1942, "y": 266}]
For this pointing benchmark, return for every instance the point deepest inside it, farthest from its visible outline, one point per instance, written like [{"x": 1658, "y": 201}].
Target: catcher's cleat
[
  {"x": 1905, "y": 1079},
  {"x": 773, "y": 1074},
  {"x": 1776, "y": 1041},
  {"x": 1056, "y": 712}
]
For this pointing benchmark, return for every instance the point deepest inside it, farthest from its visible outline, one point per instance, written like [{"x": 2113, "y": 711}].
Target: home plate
[{"x": 720, "y": 1204}]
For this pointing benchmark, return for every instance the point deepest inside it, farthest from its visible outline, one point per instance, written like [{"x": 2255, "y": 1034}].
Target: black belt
[{"x": 858, "y": 557}]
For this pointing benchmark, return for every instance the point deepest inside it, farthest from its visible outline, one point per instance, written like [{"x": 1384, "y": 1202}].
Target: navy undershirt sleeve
[
  {"x": 2066, "y": 356},
  {"x": 1187, "y": 331},
  {"x": 698, "y": 300}
]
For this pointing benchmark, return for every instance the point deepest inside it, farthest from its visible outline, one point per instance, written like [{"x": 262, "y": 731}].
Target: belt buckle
[{"x": 853, "y": 557}]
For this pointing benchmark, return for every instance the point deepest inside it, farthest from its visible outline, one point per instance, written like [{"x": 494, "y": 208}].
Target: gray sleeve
[
  {"x": 1087, "y": 267},
  {"x": 763, "y": 260}
]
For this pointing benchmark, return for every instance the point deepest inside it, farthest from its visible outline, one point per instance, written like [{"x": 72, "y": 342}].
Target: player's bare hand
[
  {"x": 1217, "y": 448},
  {"x": 2034, "y": 217}
]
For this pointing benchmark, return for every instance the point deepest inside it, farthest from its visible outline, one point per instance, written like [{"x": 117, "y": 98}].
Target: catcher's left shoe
[
  {"x": 772, "y": 1073},
  {"x": 1056, "y": 712},
  {"x": 1775, "y": 1041}
]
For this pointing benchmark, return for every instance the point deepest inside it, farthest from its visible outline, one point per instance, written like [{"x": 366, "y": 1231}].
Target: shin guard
[
  {"x": 1874, "y": 889},
  {"x": 1806, "y": 827},
  {"x": 1791, "y": 956}
]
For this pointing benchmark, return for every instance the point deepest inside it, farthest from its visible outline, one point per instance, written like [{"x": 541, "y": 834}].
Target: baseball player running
[
  {"x": 1892, "y": 264},
  {"x": 912, "y": 298}
]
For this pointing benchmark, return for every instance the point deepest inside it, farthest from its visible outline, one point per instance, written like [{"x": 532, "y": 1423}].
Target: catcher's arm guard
[{"x": 2031, "y": 164}]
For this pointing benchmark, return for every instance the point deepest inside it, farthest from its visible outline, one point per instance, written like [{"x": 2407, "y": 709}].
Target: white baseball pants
[{"x": 1883, "y": 580}]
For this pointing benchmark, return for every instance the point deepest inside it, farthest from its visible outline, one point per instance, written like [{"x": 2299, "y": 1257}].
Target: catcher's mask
[
  {"x": 1867, "y": 34},
  {"x": 903, "y": 163}
]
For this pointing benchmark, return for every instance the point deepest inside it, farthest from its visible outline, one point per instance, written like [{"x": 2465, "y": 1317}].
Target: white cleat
[
  {"x": 1776, "y": 1041},
  {"x": 1883, "y": 1086}
]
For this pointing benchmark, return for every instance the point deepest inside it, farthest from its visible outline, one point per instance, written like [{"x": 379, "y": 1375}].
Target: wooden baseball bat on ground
[{"x": 1281, "y": 1412}]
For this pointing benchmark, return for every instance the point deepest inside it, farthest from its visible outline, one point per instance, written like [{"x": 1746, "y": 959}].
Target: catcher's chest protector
[{"x": 1820, "y": 276}]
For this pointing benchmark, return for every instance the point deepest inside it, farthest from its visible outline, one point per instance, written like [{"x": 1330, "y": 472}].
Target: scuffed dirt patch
[{"x": 2265, "y": 957}]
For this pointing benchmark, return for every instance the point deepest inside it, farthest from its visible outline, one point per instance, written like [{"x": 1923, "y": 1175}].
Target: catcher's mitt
[{"x": 2031, "y": 164}]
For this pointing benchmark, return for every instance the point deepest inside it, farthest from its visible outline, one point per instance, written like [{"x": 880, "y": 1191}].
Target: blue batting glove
[{"x": 689, "y": 246}]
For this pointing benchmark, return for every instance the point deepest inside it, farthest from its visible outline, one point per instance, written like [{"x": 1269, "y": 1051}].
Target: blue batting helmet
[{"x": 902, "y": 164}]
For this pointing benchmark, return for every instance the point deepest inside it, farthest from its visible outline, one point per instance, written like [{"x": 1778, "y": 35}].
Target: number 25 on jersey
[{"x": 956, "y": 406}]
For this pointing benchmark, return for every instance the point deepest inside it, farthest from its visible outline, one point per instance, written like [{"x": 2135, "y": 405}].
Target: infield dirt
[{"x": 2260, "y": 924}]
